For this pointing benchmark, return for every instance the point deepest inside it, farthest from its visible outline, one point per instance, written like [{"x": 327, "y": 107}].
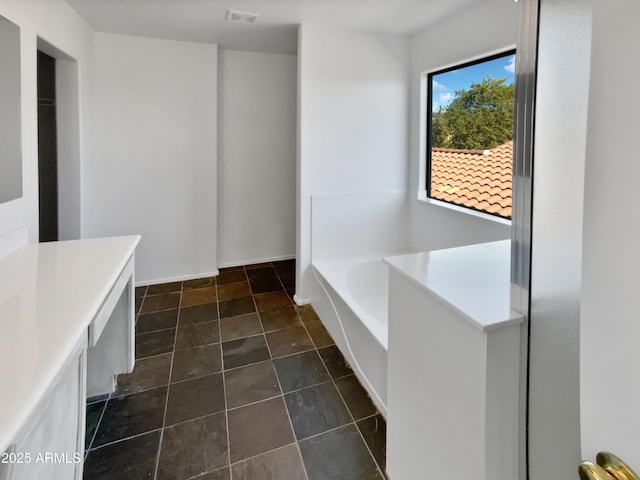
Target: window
[{"x": 470, "y": 134}]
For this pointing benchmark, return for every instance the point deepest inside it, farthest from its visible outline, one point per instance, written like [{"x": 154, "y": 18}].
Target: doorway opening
[
  {"x": 59, "y": 145},
  {"x": 47, "y": 148}
]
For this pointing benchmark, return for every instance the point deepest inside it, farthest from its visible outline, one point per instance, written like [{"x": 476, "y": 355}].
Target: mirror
[{"x": 10, "y": 112}]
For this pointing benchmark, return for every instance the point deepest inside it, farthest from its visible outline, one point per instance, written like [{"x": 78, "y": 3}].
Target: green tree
[{"x": 480, "y": 118}]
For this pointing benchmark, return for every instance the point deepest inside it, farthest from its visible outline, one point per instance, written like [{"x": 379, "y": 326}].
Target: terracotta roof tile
[{"x": 474, "y": 178}]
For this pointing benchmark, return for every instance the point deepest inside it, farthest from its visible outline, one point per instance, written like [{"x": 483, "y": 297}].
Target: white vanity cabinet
[{"x": 66, "y": 331}]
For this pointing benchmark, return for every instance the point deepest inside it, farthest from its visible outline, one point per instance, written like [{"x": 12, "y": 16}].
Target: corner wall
[
  {"x": 58, "y": 25},
  {"x": 352, "y": 122},
  {"x": 479, "y": 29},
  {"x": 154, "y": 171},
  {"x": 257, "y": 157}
]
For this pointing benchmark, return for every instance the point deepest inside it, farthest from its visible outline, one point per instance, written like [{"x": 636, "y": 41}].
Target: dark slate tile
[
  {"x": 320, "y": 336},
  {"x": 335, "y": 362},
  {"x": 307, "y": 314},
  {"x": 93, "y": 414},
  {"x": 199, "y": 296},
  {"x": 356, "y": 397},
  {"x": 285, "y": 266},
  {"x": 236, "y": 306},
  {"x": 133, "y": 459},
  {"x": 278, "y": 318},
  {"x": 281, "y": 464},
  {"x": 267, "y": 301},
  {"x": 194, "y": 448},
  {"x": 197, "y": 334},
  {"x": 264, "y": 285},
  {"x": 164, "y": 288},
  {"x": 240, "y": 326},
  {"x": 374, "y": 431},
  {"x": 261, "y": 272},
  {"x": 288, "y": 280},
  {"x": 316, "y": 409},
  {"x": 256, "y": 266},
  {"x": 299, "y": 371},
  {"x": 148, "y": 373},
  {"x": 233, "y": 290},
  {"x": 196, "y": 362},
  {"x": 223, "y": 474},
  {"x": 199, "y": 283},
  {"x": 232, "y": 275},
  {"x": 154, "y": 303},
  {"x": 339, "y": 455},
  {"x": 258, "y": 428},
  {"x": 195, "y": 398},
  {"x": 152, "y": 322},
  {"x": 140, "y": 291},
  {"x": 289, "y": 341},
  {"x": 251, "y": 384},
  {"x": 154, "y": 343},
  {"x": 131, "y": 415},
  {"x": 244, "y": 351},
  {"x": 198, "y": 314}
]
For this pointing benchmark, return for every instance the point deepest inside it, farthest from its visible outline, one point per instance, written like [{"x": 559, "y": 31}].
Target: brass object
[
  {"x": 615, "y": 467},
  {"x": 591, "y": 471}
]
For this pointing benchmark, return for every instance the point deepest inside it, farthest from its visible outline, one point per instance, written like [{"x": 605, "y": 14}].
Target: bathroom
[{"x": 173, "y": 138}]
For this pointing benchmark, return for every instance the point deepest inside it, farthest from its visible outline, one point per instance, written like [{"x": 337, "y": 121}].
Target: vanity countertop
[
  {"x": 49, "y": 294},
  {"x": 474, "y": 280}
]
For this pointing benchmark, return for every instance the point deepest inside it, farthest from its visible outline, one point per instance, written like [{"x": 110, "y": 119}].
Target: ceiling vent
[{"x": 242, "y": 17}]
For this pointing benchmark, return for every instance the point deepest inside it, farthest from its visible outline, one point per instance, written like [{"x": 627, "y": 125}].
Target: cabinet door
[{"x": 51, "y": 445}]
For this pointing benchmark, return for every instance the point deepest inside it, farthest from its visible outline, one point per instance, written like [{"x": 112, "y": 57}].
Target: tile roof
[{"x": 474, "y": 178}]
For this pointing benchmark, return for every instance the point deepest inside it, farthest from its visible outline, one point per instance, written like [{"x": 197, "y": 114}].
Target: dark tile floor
[{"x": 233, "y": 381}]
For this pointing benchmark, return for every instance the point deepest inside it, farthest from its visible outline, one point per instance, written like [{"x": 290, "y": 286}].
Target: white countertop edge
[{"x": 508, "y": 318}]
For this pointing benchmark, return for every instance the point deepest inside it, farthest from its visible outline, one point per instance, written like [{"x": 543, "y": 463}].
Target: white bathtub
[{"x": 352, "y": 301}]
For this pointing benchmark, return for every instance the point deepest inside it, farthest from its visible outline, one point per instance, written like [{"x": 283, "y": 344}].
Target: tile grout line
[
  {"x": 293, "y": 432},
  {"x": 295, "y": 437},
  {"x": 333, "y": 380},
  {"x": 335, "y": 385},
  {"x": 93, "y": 437},
  {"x": 121, "y": 440},
  {"x": 106, "y": 403},
  {"x": 224, "y": 381},
  {"x": 355, "y": 422},
  {"x": 166, "y": 400}
]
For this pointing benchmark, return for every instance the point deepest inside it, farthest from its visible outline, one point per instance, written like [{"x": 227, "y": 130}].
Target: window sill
[{"x": 422, "y": 198}]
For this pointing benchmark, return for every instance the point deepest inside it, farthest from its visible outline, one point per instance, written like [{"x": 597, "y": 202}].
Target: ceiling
[{"x": 275, "y": 31}]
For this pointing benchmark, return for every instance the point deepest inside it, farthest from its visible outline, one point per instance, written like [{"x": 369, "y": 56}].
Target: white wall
[
  {"x": 353, "y": 121},
  {"x": 609, "y": 327},
  {"x": 474, "y": 32},
  {"x": 154, "y": 172},
  {"x": 355, "y": 224},
  {"x": 57, "y": 24},
  {"x": 257, "y": 157}
]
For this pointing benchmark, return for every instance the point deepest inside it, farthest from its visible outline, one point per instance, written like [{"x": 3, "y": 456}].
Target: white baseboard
[
  {"x": 256, "y": 260},
  {"x": 301, "y": 301},
  {"x": 181, "y": 278}
]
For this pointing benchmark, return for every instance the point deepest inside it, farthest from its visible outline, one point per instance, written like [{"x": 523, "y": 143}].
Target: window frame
[{"x": 429, "y": 120}]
